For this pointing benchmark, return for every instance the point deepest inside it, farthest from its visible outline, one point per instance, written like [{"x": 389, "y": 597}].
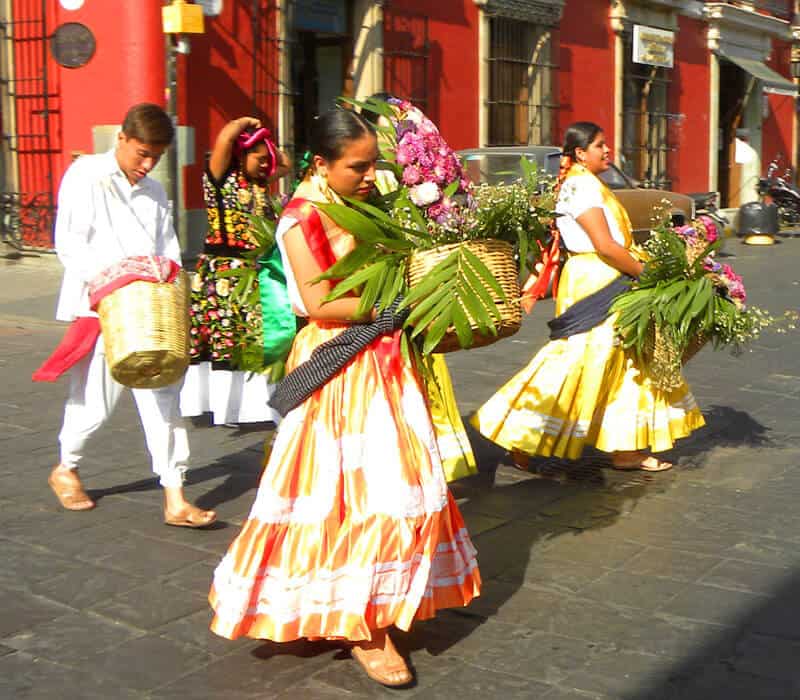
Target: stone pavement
[{"x": 597, "y": 584}]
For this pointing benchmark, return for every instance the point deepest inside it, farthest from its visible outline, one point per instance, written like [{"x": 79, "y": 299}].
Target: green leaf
[
  {"x": 361, "y": 227},
  {"x": 451, "y": 189},
  {"x": 350, "y": 263},
  {"x": 372, "y": 288},
  {"x": 395, "y": 285},
  {"x": 479, "y": 315},
  {"x": 443, "y": 305},
  {"x": 436, "y": 332},
  {"x": 403, "y": 202},
  {"x": 462, "y": 326},
  {"x": 483, "y": 272},
  {"x": 355, "y": 280},
  {"x": 428, "y": 303},
  {"x": 435, "y": 277},
  {"x": 702, "y": 298},
  {"x": 480, "y": 291}
]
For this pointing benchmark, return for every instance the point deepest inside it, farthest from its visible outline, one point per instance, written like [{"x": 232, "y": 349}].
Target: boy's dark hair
[{"x": 149, "y": 124}]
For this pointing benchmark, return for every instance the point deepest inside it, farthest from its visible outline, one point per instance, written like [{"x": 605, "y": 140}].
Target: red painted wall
[
  {"x": 127, "y": 67},
  {"x": 586, "y": 67},
  {"x": 452, "y": 75},
  {"x": 216, "y": 81},
  {"x": 776, "y": 134},
  {"x": 689, "y": 98}
]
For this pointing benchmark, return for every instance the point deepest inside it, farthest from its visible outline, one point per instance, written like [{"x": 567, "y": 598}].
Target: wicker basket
[
  {"x": 498, "y": 256},
  {"x": 145, "y": 328}
]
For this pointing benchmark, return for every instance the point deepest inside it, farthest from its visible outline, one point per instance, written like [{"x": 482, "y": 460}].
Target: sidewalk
[{"x": 597, "y": 584}]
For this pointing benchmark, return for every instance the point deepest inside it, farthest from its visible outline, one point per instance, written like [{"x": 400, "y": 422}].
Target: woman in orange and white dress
[{"x": 353, "y": 530}]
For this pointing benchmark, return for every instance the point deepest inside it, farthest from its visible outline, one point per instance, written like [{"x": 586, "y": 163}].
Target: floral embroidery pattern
[
  {"x": 218, "y": 325},
  {"x": 229, "y": 224}
]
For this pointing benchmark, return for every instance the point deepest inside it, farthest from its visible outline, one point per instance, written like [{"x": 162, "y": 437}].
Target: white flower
[
  {"x": 425, "y": 194},
  {"x": 414, "y": 115}
]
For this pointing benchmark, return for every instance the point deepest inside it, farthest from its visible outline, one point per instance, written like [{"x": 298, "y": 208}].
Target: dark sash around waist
[
  {"x": 330, "y": 357},
  {"x": 590, "y": 311}
]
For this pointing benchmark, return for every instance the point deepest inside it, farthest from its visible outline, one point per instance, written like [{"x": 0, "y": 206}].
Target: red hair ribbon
[
  {"x": 247, "y": 139},
  {"x": 535, "y": 287}
]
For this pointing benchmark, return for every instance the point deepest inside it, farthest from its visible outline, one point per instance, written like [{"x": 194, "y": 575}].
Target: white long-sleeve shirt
[{"x": 102, "y": 219}]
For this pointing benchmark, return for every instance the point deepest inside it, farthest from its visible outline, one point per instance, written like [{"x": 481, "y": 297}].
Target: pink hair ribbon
[{"x": 248, "y": 139}]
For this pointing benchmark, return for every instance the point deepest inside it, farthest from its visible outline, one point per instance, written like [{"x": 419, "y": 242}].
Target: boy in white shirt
[{"x": 109, "y": 210}]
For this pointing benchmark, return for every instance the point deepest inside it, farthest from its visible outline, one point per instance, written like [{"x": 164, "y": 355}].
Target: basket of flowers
[
  {"x": 452, "y": 250},
  {"x": 684, "y": 299}
]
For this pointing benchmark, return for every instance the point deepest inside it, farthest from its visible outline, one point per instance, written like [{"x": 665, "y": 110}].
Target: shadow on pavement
[{"x": 754, "y": 658}]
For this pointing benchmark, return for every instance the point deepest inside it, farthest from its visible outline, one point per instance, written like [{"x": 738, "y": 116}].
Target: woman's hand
[
  {"x": 221, "y": 156},
  {"x": 593, "y": 221},
  {"x": 284, "y": 166}
]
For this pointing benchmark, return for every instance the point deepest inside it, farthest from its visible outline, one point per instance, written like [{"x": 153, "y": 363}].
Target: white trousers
[{"x": 93, "y": 394}]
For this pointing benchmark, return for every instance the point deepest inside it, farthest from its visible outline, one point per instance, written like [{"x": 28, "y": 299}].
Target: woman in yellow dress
[
  {"x": 582, "y": 388},
  {"x": 353, "y": 529}
]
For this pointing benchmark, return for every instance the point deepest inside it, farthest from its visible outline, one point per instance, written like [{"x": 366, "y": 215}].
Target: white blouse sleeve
[{"x": 578, "y": 195}]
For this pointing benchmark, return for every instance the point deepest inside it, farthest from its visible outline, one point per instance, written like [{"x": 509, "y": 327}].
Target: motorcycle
[
  {"x": 706, "y": 204},
  {"x": 781, "y": 191}
]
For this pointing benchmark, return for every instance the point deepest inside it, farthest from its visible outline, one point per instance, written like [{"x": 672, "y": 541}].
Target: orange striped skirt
[{"x": 353, "y": 528}]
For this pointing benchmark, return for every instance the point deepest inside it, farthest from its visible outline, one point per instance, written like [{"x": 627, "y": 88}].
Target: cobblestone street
[{"x": 597, "y": 583}]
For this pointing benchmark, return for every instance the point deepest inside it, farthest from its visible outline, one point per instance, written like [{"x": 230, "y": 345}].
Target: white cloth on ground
[
  {"x": 93, "y": 394},
  {"x": 230, "y": 396}
]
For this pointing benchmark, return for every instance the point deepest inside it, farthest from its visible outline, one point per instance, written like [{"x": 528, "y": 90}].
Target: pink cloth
[{"x": 143, "y": 268}]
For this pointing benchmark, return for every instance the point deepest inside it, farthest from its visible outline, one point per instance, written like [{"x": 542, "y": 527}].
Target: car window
[
  {"x": 614, "y": 178},
  {"x": 494, "y": 168}
]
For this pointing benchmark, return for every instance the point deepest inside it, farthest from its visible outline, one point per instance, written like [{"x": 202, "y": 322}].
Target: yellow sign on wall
[
  {"x": 654, "y": 47},
  {"x": 182, "y": 18}
]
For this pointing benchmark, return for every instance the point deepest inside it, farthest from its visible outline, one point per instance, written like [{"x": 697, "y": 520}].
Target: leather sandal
[
  {"x": 520, "y": 460},
  {"x": 642, "y": 462},
  {"x": 375, "y": 665},
  {"x": 67, "y": 487},
  {"x": 191, "y": 516}
]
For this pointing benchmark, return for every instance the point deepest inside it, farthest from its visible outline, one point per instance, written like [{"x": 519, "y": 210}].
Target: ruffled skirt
[
  {"x": 353, "y": 528},
  {"x": 585, "y": 390}
]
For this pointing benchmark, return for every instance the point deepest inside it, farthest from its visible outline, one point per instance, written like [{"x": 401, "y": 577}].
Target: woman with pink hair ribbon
[{"x": 242, "y": 164}]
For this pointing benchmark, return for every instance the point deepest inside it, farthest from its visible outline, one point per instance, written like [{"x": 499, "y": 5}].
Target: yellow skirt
[
  {"x": 353, "y": 528},
  {"x": 455, "y": 450},
  {"x": 585, "y": 390}
]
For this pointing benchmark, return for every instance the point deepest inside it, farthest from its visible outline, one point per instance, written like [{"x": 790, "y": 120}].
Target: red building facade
[{"x": 490, "y": 72}]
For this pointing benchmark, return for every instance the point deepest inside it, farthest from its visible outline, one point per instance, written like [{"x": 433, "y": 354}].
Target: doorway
[
  {"x": 322, "y": 51},
  {"x": 739, "y": 135}
]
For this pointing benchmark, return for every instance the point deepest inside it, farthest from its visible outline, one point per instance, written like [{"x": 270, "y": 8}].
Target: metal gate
[
  {"x": 521, "y": 103},
  {"x": 648, "y": 127},
  {"x": 29, "y": 134},
  {"x": 267, "y": 48}
]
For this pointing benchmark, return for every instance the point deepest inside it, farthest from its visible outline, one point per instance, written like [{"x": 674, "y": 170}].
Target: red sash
[{"x": 310, "y": 222}]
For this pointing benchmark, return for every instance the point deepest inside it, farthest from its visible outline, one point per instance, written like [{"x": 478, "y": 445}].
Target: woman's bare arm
[
  {"x": 222, "y": 153},
  {"x": 593, "y": 221}
]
